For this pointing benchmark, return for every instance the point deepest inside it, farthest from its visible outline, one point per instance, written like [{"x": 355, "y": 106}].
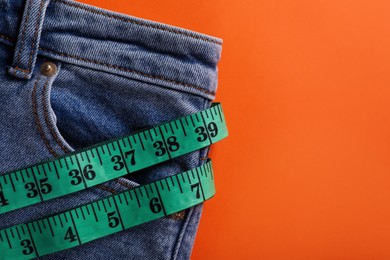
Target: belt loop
[{"x": 27, "y": 44}]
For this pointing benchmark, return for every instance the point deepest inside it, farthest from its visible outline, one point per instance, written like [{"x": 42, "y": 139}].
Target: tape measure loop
[{"x": 77, "y": 171}]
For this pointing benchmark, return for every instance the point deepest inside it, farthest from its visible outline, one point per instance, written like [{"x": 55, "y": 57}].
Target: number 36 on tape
[{"x": 109, "y": 160}]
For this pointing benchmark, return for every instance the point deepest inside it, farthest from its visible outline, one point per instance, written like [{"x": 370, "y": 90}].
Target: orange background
[{"x": 305, "y": 87}]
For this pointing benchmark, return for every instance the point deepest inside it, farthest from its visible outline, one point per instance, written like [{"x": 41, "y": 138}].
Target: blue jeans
[{"x": 115, "y": 75}]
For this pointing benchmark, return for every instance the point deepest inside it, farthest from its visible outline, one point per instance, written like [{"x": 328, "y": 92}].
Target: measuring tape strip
[
  {"x": 109, "y": 215},
  {"x": 112, "y": 159}
]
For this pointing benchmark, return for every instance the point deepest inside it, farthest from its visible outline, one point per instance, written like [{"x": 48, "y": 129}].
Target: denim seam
[
  {"x": 128, "y": 70},
  {"x": 24, "y": 34},
  {"x": 138, "y": 22},
  {"x": 179, "y": 241},
  {"x": 106, "y": 188},
  {"x": 23, "y": 70},
  {"x": 117, "y": 67},
  {"x": 28, "y": 70},
  {"x": 42, "y": 134},
  {"x": 32, "y": 51},
  {"x": 122, "y": 183},
  {"x": 33, "y": 97},
  {"x": 7, "y": 38},
  {"x": 47, "y": 119},
  {"x": 191, "y": 211}
]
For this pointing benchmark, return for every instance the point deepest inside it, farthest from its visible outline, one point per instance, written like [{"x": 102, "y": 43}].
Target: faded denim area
[{"x": 116, "y": 75}]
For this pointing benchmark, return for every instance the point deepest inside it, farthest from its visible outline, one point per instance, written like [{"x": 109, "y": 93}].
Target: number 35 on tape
[{"x": 109, "y": 160}]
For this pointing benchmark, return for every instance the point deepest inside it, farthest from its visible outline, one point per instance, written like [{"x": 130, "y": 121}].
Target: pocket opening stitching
[
  {"x": 129, "y": 70},
  {"x": 42, "y": 134},
  {"x": 117, "y": 67},
  {"x": 44, "y": 101}
]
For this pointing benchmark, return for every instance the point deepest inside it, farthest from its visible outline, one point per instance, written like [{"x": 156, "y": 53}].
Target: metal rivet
[
  {"x": 178, "y": 215},
  {"x": 48, "y": 69}
]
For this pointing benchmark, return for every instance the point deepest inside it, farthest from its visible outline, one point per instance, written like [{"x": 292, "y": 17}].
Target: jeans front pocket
[
  {"x": 78, "y": 124},
  {"x": 79, "y": 107}
]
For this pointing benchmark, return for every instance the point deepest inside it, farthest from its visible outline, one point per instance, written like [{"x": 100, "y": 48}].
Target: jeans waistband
[{"x": 134, "y": 47}]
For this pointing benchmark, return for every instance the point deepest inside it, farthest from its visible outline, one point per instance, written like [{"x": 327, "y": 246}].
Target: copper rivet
[{"x": 48, "y": 69}]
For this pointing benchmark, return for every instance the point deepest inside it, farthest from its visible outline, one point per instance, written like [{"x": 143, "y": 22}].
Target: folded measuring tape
[{"x": 102, "y": 162}]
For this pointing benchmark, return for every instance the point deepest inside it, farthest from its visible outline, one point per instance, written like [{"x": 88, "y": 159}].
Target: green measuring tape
[
  {"x": 107, "y": 216},
  {"x": 102, "y": 162},
  {"x": 106, "y": 161}
]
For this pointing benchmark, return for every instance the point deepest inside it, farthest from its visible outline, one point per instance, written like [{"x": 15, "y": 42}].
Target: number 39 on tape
[{"x": 109, "y": 160}]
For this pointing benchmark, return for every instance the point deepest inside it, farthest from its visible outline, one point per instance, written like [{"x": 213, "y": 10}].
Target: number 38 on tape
[{"x": 109, "y": 160}]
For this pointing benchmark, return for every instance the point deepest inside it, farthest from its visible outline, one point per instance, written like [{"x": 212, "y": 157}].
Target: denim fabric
[{"x": 116, "y": 74}]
